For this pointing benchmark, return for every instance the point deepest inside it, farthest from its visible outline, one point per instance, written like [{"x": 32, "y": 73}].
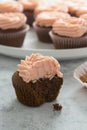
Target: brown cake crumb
[
  {"x": 57, "y": 106},
  {"x": 84, "y": 77}
]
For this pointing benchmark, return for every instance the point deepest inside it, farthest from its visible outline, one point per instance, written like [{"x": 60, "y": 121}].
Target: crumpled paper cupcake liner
[{"x": 80, "y": 71}]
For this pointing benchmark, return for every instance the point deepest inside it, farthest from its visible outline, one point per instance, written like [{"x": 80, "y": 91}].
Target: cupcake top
[
  {"x": 84, "y": 16},
  {"x": 54, "y": 7},
  {"x": 61, "y": 7},
  {"x": 70, "y": 27},
  {"x": 29, "y": 4},
  {"x": 48, "y": 18},
  {"x": 38, "y": 66},
  {"x": 81, "y": 10},
  {"x": 76, "y": 7},
  {"x": 10, "y": 6},
  {"x": 12, "y": 20}
]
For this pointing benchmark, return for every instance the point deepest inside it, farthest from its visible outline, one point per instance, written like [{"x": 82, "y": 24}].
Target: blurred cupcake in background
[
  {"x": 60, "y": 7},
  {"x": 43, "y": 24},
  {"x": 13, "y": 28},
  {"x": 10, "y": 6},
  {"x": 28, "y": 9},
  {"x": 69, "y": 33},
  {"x": 76, "y": 8}
]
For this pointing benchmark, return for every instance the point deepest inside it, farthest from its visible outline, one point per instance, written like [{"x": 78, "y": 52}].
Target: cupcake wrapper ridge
[
  {"x": 60, "y": 42},
  {"x": 13, "y": 38},
  {"x": 43, "y": 33}
]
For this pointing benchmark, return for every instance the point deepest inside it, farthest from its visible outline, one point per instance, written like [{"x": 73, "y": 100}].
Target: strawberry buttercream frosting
[
  {"x": 38, "y": 66},
  {"x": 29, "y": 4},
  {"x": 48, "y": 18},
  {"x": 54, "y": 7},
  {"x": 71, "y": 27},
  {"x": 81, "y": 10},
  {"x": 12, "y": 20},
  {"x": 76, "y": 7},
  {"x": 84, "y": 16},
  {"x": 10, "y": 6}
]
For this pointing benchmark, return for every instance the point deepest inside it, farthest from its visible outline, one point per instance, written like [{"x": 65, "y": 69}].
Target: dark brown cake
[
  {"x": 36, "y": 93},
  {"x": 43, "y": 33}
]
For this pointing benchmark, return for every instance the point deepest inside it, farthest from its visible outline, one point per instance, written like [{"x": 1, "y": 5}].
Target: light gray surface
[{"x": 73, "y": 97}]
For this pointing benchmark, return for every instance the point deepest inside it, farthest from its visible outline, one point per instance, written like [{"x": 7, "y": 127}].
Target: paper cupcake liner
[
  {"x": 37, "y": 93},
  {"x": 43, "y": 33},
  {"x": 30, "y": 16},
  {"x": 13, "y": 38},
  {"x": 79, "y": 72},
  {"x": 67, "y": 43}
]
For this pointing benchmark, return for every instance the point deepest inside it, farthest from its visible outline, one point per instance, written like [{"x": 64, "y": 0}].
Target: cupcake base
[
  {"x": 30, "y": 16},
  {"x": 36, "y": 93},
  {"x": 61, "y": 42},
  {"x": 43, "y": 33},
  {"x": 13, "y": 37}
]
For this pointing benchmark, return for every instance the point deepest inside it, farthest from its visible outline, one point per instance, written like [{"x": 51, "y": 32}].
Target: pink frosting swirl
[
  {"x": 71, "y": 27},
  {"x": 77, "y": 7},
  {"x": 48, "y": 18},
  {"x": 10, "y": 6},
  {"x": 60, "y": 7},
  {"x": 12, "y": 20},
  {"x": 84, "y": 16},
  {"x": 29, "y": 4},
  {"x": 81, "y": 10},
  {"x": 38, "y": 66}
]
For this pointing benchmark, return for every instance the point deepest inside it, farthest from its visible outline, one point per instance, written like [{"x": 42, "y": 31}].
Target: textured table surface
[{"x": 73, "y": 97}]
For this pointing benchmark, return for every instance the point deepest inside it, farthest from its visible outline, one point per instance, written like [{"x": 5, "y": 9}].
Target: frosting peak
[
  {"x": 48, "y": 18},
  {"x": 38, "y": 66}
]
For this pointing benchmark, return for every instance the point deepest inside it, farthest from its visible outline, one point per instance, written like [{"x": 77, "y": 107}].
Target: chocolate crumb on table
[{"x": 57, "y": 107}]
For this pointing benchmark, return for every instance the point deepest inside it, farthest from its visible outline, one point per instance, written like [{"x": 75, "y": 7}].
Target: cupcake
[
  {"x": 10, "y": 6},
  {"x": 76, "y": 7},
  {"x": 43, "y": 24},
  {"x": 29, "y": 6},
  {"x": 60, "y": 7},
  {"x": 13, "y": 28},
  {"x": 37, "y": 80},
  {"x": 69, "y": 33}
]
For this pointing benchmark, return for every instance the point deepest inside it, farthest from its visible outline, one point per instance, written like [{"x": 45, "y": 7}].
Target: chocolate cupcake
[
  {"x": 37, "y": 80},
  {"x": 43, "y": 24},
  {"x": 29, "y": 6},
  {"x": 69, "y": 33},
  {"x": 13, "y": 29},
  {"x": 76, "y": 8}
]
